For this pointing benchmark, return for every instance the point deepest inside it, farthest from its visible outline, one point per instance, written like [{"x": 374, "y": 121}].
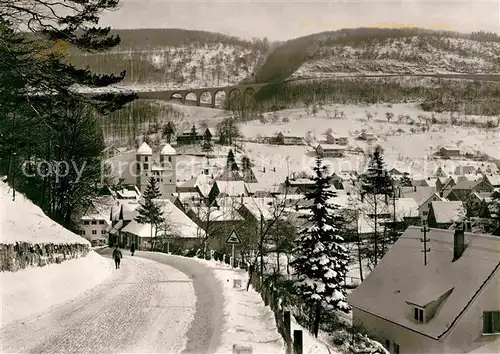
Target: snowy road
[{"x": 147, "y": 306}]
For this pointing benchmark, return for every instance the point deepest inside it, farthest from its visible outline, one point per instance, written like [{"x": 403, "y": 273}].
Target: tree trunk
[
  {"x": 360, "y": 258},
  {"x": 375, "y": 230}
]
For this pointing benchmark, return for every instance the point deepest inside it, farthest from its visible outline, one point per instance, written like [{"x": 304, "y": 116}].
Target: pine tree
[
  {"x": 230, "y": 160},
  {"x": 168, "y": 131},
  {"x": 374, "y": 183},
  {"x": 194, "y": 134},
  {"x": 149, "y": 211},
  {"x": 405, "y": 180},
  {"x": 320, "y": 261}
]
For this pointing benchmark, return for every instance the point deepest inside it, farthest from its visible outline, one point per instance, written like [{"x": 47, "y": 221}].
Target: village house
[
  {"x": 217, "y": 220},
  {"x": 444, "y": 214},
  {"x": 441, "y": 301},
  {"x": 449, "y": 153},
  {"x": 423, "y": 196},
  {"x": 464, "y": 170},
  {"x": 127, "y": 193},
  {"x": 289, "y": 139},
  {"x": 463, "y": 189},
  {"x": 228, "y": 189},
  {"x": 94, "y": 223},
  {"x": 336, "y": 140},
  {"x": 330, "y": 150},
  {"x": 111, "y": 151},
  {"x": 339, "y": 180},
  {"x": 367, "y": 136},
  {"x": 201, "y": 184},
  {"x": 440, "y": 172},
  {"x": 493, "y": 180},
  {"x": 121, "y": 214},
  {"x": 180, "y": 230}
]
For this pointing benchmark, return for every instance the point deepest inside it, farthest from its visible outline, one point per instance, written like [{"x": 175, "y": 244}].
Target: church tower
[
  {"x": 168, "y": 163},
  {"x": 143, "y": 164}
]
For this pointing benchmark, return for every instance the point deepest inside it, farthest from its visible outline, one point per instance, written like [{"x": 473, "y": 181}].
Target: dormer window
[
  {"x": 418, "y": 314},
  {"x": 491, "y": 322}
]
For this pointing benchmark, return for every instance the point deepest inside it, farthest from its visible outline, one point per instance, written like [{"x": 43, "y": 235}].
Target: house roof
[
  {"x": 168, "y": 150},
  {"x": 231, "y": 188},
  {"x": 486, "y": 196},
  {"x": 256, "y": 206},
  {"x": 464, "y": 170},
  {"x": 406, "y": 208},
  {"x": 449, "y": 211},
  {"x": 217, "y": 214},
  {"x": 465, "y": 185},
  {"x": 180, "y": 224},
  {"x": 494, "y": 180},
  {"x": 263, "y": 187},
  {"x": 401, "y": 277},
  {"x": 327, "y": 147},
  {"x": 144, "y": 149},
  {"x": 420, "y": 195}
]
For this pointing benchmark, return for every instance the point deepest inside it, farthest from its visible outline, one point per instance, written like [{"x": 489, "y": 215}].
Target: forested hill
[
  {"x": 373, "y": 50},
  {"x": 177, "y": 57}
]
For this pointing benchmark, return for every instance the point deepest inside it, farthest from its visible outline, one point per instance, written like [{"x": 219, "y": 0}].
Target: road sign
[{"x": 233, "y": 238}]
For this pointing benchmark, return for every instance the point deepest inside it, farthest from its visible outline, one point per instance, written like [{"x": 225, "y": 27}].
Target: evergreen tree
[
  {"x": 246, "y": 164},
  {"x": 194, "y": 134},
  {"x": 168, "y": 131},
  {"x": 320, "y": 261},
  {"x": 376, "y": 182},
  {"x": 230, "y": 159},
  {"x": 405, "y": 180},
  {"x": 149, "y": 211}
]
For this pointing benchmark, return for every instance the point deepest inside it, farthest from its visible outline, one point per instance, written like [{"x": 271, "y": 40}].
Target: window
[
  {"x": 157, "y": 180},
  {"x": 425, "y": 212},
  {"x": 429, "y": 205},
  {"x": 418, "y": 314},
  {"x": 170, "y": 181},
  {"x": 94, "y": 232},
  {"x": 146, "y": 166},
  {"x": 145, "y": 159},
  {"x": 94, "y": 222},
  {"x": 491, "y": 322},
  {"x": 169, "y": 159},
  {"x": 396, "y": 348},
  {"x": 86, "y": 222},
  {"x": 82, "y": 232},
  {"x": 103, "y": 232},
  {"x": 101, "y": 222},
  {"x": 387, "y": 344}
]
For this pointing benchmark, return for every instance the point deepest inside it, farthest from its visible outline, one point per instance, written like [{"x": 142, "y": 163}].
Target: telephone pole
[{"x": 425, "y": 240}]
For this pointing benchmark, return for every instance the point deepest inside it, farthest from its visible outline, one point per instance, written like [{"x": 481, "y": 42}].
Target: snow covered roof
[
  {"x": 168, "y": 150},
  {"x": 23, "y": 221},
  {"x": 262, "y": 187},
  {"x": 449, "y": 211},
  {"x": 464, "y": 170},
  {"x": 144, "y": 149},
  {"x": 494, "y": 180},
  {"x": 419, "y": 194},
  {"x": 406, "y": 208},
  {"x": 231, "y": 188},
  {"x": 256, "y": 206},
  {"x": 127, "y": 194},
  {"x": 401, "y": 277},
  {"x": 129, "y": 210},
  {"x": 180, "y": 225},
  {"x": 216, "y": 214}
]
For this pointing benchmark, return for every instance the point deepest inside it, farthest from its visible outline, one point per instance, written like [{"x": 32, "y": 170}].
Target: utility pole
[
  {"x": 14, "y": 177},
  {"x": 425, "y": 240},
  {"x": 261, "y": 250}
]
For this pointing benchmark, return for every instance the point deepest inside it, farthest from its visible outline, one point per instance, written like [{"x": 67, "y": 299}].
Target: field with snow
[{"x": 406, "y": 146}]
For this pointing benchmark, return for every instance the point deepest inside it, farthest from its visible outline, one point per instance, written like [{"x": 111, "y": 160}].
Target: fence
[{"x": 294, "y": 343}]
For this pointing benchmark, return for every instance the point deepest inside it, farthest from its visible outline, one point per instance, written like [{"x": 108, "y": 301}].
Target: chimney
[
  {"x": 458, "y": 243},
  {"x": 441, "y": 194},
  {"x": 414, "y": 188},
  {"x": 179, "y": 194}
]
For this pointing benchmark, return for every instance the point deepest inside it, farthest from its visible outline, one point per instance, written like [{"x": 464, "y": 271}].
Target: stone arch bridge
[{"x": 167, "y": 95}]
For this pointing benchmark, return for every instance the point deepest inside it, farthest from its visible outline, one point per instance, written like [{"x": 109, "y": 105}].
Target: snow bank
[
  {"x": 23, "y": 221},
  {"x": 31, "y": 291},
  {"x": 247, "y": 322}
]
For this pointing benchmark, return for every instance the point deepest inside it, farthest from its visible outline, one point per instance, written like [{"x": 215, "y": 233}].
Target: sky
[{"x": 286, "y": 19}]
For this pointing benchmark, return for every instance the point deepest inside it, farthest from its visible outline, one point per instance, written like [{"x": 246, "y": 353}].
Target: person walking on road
[
  {"x": 117, "y": 255},
  {"x": 132, "y": 248}
]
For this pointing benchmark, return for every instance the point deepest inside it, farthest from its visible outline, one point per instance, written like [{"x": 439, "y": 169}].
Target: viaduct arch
[{"x": 167, "y": 95}]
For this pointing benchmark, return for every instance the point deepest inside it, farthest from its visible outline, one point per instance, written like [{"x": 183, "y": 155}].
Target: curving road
[{"x": 153, "y": 304}]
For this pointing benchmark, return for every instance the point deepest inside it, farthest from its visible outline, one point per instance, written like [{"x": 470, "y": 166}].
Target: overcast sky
[{"x": 281, "y": 20}]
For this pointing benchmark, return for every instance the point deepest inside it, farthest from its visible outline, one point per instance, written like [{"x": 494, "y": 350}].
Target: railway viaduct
[{"x": 167, "y": 95}]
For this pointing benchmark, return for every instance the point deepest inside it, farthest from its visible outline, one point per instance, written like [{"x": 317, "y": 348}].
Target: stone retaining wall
[{"x": 21, "y": 255}]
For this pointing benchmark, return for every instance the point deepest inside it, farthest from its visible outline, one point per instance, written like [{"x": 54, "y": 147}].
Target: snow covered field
[
  {"x": 406, "y": 146},
  {"x": 31, "y": 291}
]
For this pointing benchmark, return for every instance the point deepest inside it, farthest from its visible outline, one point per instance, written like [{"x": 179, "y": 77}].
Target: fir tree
[
  {"x": 320, "y": 261},
  {"x": 168, "y": 131},
  {"x": 376, "y": 182},
  {"x": 231, "y": 161},
  {"x": 405, "y": 180},
  {"x": 246, "y": 164},
  {"x": 194, "y": 134},
  {"x": 149, "y": 211}
]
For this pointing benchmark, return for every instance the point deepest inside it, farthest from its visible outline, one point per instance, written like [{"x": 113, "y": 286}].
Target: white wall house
[
  {"x": 95, "y": 221},
  {"x": 449, "y": 304}
]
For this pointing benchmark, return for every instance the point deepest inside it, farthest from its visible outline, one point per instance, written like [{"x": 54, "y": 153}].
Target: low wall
[{"x": 21, "y": 255}]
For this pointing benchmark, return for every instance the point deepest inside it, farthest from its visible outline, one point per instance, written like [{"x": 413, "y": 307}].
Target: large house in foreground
[{"x": 449, "y": 304}]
